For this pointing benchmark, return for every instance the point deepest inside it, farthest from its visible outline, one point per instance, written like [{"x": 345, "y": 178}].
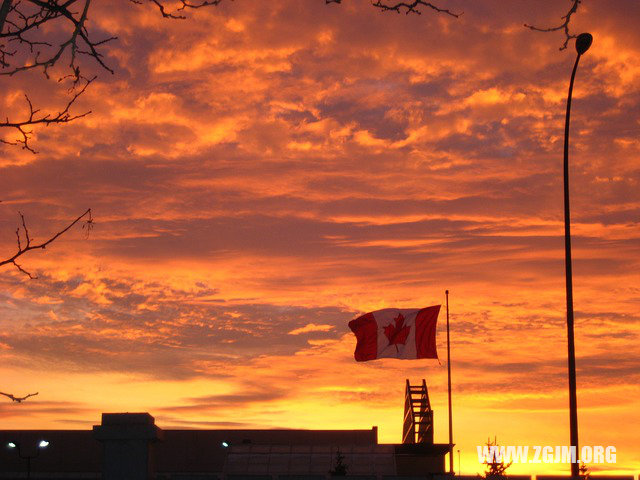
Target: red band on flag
[
  {"x": 426, "y": 332},
  {"x": 365, "y": 328}
]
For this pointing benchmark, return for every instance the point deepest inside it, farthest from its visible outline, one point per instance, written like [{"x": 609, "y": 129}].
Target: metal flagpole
[{"x": 449, "y": 385}]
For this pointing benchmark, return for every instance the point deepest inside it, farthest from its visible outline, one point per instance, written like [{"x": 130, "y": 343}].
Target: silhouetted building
[{"x": 129, "y": 446}]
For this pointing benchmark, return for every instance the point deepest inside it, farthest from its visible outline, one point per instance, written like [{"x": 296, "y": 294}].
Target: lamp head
[
  {"x": 583, "y": 42},
  {"x": 11, "y": 445},
  {"x": 43, "y": 444}
]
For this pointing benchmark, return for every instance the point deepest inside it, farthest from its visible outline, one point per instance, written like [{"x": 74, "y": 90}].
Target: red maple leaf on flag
[{"x": 398, "y": 333}]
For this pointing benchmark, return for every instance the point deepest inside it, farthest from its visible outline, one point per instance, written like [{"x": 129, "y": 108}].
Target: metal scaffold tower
[{"x": 418, "y": 416}]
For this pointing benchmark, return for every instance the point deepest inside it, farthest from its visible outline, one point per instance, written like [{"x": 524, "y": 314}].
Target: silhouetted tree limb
[
  {"x": 24, "y": 46},
  {"x": 28, "y": 245},
  {"x": 185, "y": 4},
  {"x": 35, "y": 118},
  {"x": 406, "y": 7},
  {"x": 411, "y": 7},
  {"x": 18, "y": 399},
  {"x": 25, "y": 17},
  {"x": 563, "y": 26}
]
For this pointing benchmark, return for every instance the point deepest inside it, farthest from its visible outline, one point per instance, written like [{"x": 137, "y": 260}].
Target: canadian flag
[{"x": 396, "y": 333}]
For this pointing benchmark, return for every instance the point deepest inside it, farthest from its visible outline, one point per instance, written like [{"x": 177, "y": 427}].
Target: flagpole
[{"x": 446, "y": 292}]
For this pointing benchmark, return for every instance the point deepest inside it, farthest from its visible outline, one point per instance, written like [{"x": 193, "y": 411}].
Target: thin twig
[
  {"x": 563, "y": 26},
  {"x": 28, "y": 246},
  {"x": 411, "y": 7},
  {"x": 166, "y": 13},
  {"x": 36, "y": 118}
]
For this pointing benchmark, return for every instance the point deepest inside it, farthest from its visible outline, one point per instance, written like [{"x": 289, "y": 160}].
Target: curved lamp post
[
  {"x": 41, "y": 444},
  {"x": 583, "y": 42}
]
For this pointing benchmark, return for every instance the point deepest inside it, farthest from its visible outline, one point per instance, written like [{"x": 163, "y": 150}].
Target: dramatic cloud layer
[{"x": 265, "y": 171}]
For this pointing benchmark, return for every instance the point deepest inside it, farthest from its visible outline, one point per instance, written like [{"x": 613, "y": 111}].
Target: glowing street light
[
  {"x": 583, "y": 42},
  {"x": 41, "y": 444}
]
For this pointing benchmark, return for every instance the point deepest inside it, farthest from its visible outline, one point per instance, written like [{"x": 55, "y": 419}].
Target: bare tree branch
[
  {"x": 35, "y": 117},
  {"x": 18, "y": 399},
  {"x": 23, "y": 47},
  {"x": 411, "y": 7},
  {"x": 563, "y": 26},
  {"x": 407, "y": 7},
  {"x": 23, "y": 20},
  {"x": 22, "y": 249},
  {"x": 4, "y": 11},
  {"x": 185, "y": 4}
]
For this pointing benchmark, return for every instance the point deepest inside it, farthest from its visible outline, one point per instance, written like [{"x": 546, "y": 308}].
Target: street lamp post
[
  {"x": 583, "y": 42},
  {"x": 41, "y": 444}
]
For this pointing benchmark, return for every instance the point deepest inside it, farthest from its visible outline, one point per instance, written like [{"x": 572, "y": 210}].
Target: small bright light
[
  {"x": 225, "y": 444},
  {"x": 43, "y": 444},
  {"x": 11, "y": 445}
]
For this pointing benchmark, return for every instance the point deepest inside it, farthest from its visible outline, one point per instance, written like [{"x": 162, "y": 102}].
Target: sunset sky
[{"x": 264, "y": 172}]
